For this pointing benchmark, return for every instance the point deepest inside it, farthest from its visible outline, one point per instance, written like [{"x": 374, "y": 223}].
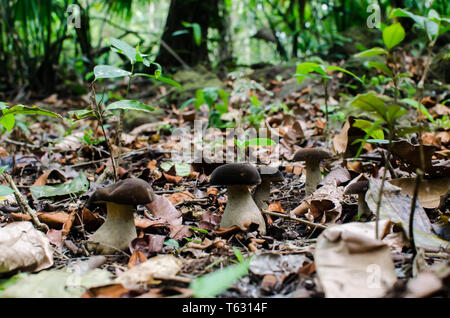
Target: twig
[
  {"x": 185, "y": 201},
  {"x": 26, "y": 208},
  {"x": 292, "y": 218}
]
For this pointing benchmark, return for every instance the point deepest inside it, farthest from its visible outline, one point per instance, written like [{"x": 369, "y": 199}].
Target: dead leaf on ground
[
  {"x": 141, "y": 275},
  {"x": 23, "y": 247},
  {"x": 396, "y": 207},
  {"x": 430, "y": 190},
  {"x": 342, "y": 143},
  {"x": 325, "y": 204},
  {"x": 350, "y": 263}
]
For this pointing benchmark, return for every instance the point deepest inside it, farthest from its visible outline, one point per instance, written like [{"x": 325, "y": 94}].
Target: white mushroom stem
[
  {"x": 241, "y": 210},
  {"x": 313, "y": 175},
  {"x": 117, "y": 232},
  {"x": 363, "y": 208},
  {"x": 262, "y": 195}
]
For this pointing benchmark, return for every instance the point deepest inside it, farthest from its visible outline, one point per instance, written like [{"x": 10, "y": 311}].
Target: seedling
[{"x": 321, "y": 71}]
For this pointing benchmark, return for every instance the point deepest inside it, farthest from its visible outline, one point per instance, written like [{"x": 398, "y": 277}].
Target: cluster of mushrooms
[{"x": 242, "y": 208}]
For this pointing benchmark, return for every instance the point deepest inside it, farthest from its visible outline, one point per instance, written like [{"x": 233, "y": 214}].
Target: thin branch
[
  {"x": 24, "y": 205},
  {"x": 292, "y": 218}
]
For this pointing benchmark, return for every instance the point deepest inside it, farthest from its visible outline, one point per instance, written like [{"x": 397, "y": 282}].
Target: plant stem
[
  {"x": 99, "y": 115},
  {"x": 326, "y": 111},
  {"x": 24, "y": 205},
  {"x": 121, "y": 118},
  {"x": 419, "y": 172}
]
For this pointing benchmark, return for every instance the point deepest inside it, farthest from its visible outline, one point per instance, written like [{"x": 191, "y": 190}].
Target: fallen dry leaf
[
  {"x": 23, "y": 247},
  {"x": 396, "y": 207},
  {"x": 430, "y": 190},
  {"x": 141, "y": 275},
  {"x": 351, "y": 263}
]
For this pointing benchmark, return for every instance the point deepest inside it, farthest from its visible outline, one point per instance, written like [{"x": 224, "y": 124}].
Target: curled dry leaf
[
  {"x": 142, "y": 274},
  {"x": 350, "y": 262},
  {"x": 430, "y": 190},
  {"x": 396, "y": 207},
  {"x": 23, "y": 247},
  {"x": 325, "y": 204},
  {"x": 342, "y": 143}
]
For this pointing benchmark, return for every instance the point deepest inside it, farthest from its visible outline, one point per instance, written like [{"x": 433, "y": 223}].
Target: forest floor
[{"x": 179, "y": 236}]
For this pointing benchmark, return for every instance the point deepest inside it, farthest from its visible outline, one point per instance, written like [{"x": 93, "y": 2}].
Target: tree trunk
[{"x": 182, "y": 49}]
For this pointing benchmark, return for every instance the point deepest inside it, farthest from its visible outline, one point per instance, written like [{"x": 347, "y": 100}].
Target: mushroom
[
  {"x": 312, "y": 157},
  {"x": 119, "y": 228},
  {"x": 262, "y": 191},
  {"x": 240, "y": 210},
  {"x": 359, "y": 188}
]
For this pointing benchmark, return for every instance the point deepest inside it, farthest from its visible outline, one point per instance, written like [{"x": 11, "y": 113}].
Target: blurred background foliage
[{"x": 41, "y": 52}]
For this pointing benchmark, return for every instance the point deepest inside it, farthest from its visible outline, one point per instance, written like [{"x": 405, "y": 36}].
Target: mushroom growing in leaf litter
[
  {"x": 312, "y": 157},
  {"x": 262, "y": 191},
  {"x": 240, "y": 210},
  {"x": 359, "y": 188},
  {"x": 119, "y": 228}
]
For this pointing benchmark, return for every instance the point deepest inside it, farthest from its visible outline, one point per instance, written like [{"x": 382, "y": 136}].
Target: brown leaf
[
  {"x": 55, "y": 237},
  {"x": 162, "y": 208},
  {"x": 107, "y": 291},
  {"x": 275, "y": 207},
  {"x": 430, "y": 190},
  {"x": 337, "y": 175},
  {"x": 342, "y": 143},
  {"x": 325, "y": 204},
  {"x": 136, "y": 258},
  {"x": 178, "y": 197}
]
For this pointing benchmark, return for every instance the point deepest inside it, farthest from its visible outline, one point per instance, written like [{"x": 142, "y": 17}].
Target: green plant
[
  {"x": 99, "y": 112},
  {"x": 217, "y": 101},
  {"x": 8, "y": 119},
  {"x": 212, "y": 284},
  {"x": 320, "y": 71}
]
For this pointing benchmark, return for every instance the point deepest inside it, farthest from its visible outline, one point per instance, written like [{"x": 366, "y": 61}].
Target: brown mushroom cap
[
  {"x": 357, "y": 187},
  {"x": 271, "y": 174},
  {"x": 312, "y": 153},
  {"x": 130, "y": 191},
  {"x": 235, "y": 173}
]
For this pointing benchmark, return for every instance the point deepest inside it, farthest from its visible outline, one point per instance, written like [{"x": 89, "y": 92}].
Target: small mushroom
[
  {"x": 312, "y": 157},
  {"x": 240, "y": 210},
  {"x": 359, "y": 188},
  {"x": 119, "y": 228},
  {"x": 262, "y": 191}
]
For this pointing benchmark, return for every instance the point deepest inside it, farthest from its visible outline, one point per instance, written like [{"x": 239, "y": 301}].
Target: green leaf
[
  {"x": 369, "y": 132},
  {"x": 210, "y": 285},
  {"x": 5, "y": 190},
  {"x": 366, "y": 126},
  {"x": 340, "y": 69},
  {"x": 210, "y": 94},
  {"x": 130, "y": 104},
  {"x": 415, "y": 104},
  {"x": 393, "y": 35},
  {"x": 161, "y": 79},
  {"x": 182, "y": 169},
  {"x": 29, "y": 110},
  {"x": 2, "y": 169},
  {"x": 108, "y": 71},
  {"x": 125, "y": 49},
  {"x": 259, "y": 142},
  {"x": 370, "y": 103},
  {"x": 8, "y": 122},
  {"x": 381, "y": 67},
  {"x": 371, "y": 52},
  {"x": 196, "y": 30},
  {"x": 172, "y": 242},
  {"x": 238, "y": 254},
  {"x": 78, "y": 185},
  {"x": 394, "y": 112},
  {"x": 303, "y": 69}
]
